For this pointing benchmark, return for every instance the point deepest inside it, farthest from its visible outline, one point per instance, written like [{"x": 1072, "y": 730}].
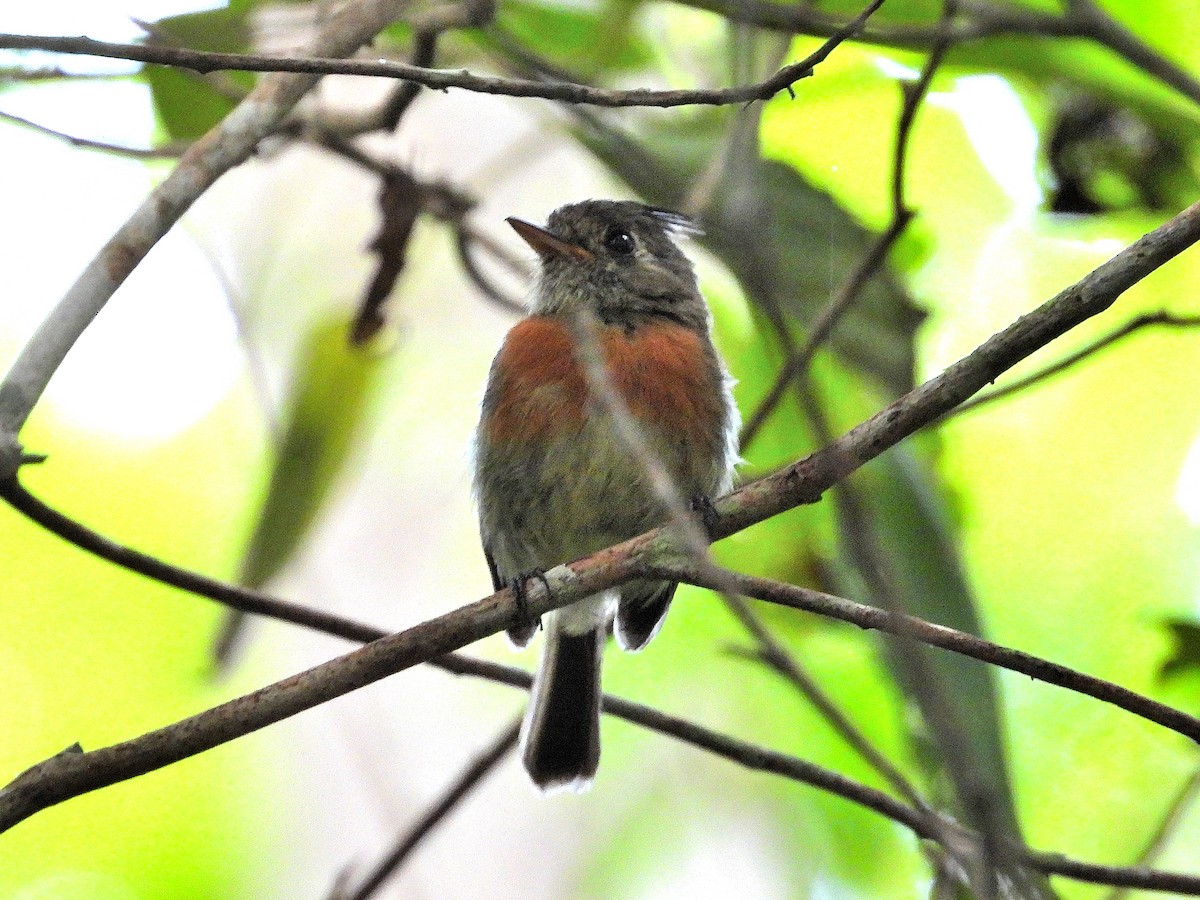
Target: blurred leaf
[
  {"x": 908, "y": 513},
  {"x": 1051, "y": 75},
  {"x": 1083, "y": 68},
  {"x": 1185, "y": 654},
  {"x": 331, "y": 397},
  {"x": 187, "y": 106},
  {"x": 788, "y": 243},
  {"x": 912, "y": 521},
  {"x": 1076, "y": 554},
  {"x": 585, "y": 39},
  {"x": 224, "y": 30},
  {"x": 1107, "y": 157},
  {"x": 190, "y": 104}
]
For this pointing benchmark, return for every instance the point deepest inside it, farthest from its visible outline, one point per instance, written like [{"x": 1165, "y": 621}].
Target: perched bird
[{"x": 555, "y": 482}]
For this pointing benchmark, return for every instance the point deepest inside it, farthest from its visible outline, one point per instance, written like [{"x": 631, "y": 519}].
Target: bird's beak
[{"x": 546, "y": 244}]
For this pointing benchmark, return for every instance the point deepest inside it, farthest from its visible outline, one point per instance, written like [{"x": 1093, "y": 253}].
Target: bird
[{"x": 554, "y": 481}]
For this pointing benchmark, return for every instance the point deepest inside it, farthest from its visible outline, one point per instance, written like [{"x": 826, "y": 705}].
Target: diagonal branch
[
  {"x": 980, "y": 20},
  {"x": 753, "y": 757},
  {"x": 166, "y": 151},
  {"x": 479, "y": 768},
  {"x": 760, "y": 759},
  {"x": 657, "y": 553},
  {"x": 1169, "y": 825},
  {"x": 740, "y": 752},
  {"x": 775, "y": 655},
  {"x": 960, "y": 642}
]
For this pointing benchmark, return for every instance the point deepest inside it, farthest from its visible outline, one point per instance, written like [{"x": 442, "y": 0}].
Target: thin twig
[
  {"x": 1097, "y": 25},
  {"x": 750, "y": 756},
  {"x": 441, "y": 79},
  {"x": 479, "y": 769},
  {"x": 776, "y": 656},
  {"x": 230, "y": 595},
  {"x": 1163, "y": 318},
  {"x": 167, "y": 151},
  {"x": 876, "y": 256},
  {"x": 465, "y": 239},
  {"x": 980, "y": 20},
  {"x": 1171, "y": 820},
  {"x": 984, "y": 21}
]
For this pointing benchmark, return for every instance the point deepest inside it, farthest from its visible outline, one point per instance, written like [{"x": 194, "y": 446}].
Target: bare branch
[
  {"x": 233, "y": 596},
  {"x": 441, "y": 79},
  {"x": 984, "y": 20},
  {"x": 935, "y": 635},
  {"x": 1092, "y": 22},
  {"x": 737, "y": 751},
  {"x": 981, "y": 19},
  {"x": 741, "y": 752},
  {"x": 465, "y": 240},
  {"x": 167, "y": 151},
  {"x": 776, "y": 656}
]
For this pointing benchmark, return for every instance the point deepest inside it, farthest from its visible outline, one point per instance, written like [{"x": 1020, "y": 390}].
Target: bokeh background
[{"x": 1061, "y": 520}]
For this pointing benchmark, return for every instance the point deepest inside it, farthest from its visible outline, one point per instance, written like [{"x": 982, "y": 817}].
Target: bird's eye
[{"x": 618, "y": 240}]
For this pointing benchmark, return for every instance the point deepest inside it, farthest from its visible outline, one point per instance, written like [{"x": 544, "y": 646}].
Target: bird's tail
[{"x": 560, "y": 739}]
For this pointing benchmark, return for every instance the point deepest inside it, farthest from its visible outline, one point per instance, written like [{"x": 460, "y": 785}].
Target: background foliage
[{"x": 1060, "y": 520}]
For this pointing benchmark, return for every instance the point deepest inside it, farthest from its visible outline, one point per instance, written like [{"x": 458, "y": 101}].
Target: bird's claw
[{"x": 520, "y": 596}]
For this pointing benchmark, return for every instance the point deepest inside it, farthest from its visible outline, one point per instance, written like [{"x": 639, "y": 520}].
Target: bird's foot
[
  {"x": 524, "y": 620},
  {"x": 705, "y": 512}
]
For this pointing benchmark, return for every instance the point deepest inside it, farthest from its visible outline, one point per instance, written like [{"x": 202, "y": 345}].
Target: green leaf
[
  {"x": 586, "y": 39},
  {"x": 1185, "y": 654},
  {"x": 187, "y": 106},
  {"x": 330, "y": 400},
  {"x": 909, "y": 513},
  {"x": 187, "y": 103}
]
